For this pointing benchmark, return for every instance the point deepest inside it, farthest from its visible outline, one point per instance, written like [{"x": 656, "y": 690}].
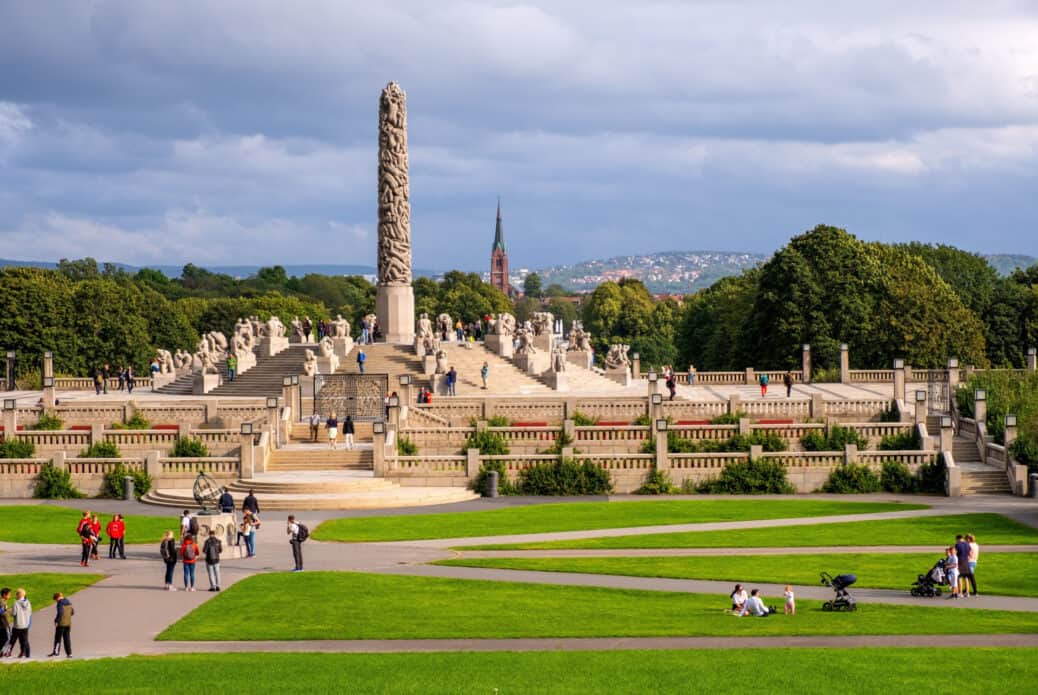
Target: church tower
[{"x": 499, "y": 257}]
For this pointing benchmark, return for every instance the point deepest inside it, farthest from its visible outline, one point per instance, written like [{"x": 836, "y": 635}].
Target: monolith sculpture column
[{"x": 394, "y": 302}]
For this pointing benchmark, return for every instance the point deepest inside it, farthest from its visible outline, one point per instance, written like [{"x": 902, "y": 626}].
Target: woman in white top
[
  {"x": 974, "y": 554},
  {"x": 738, "y": 598}
]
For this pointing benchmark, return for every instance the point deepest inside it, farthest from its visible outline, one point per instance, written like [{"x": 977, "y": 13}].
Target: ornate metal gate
[
  {"x": 360, "y": 395},
  {"x": 938, "y": 394}
]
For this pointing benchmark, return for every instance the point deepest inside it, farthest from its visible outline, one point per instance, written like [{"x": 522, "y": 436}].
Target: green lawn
[
  {"x": 991, "y": 529},
  {"x": 801, "y": 671},
  {"x": 48, "y": 524},
  {"x": 543, "y": 518},
  {"x": 346, "y": 605},
  {"x": 1009, "y": 574},
  {"x": 41, "y": 587}
]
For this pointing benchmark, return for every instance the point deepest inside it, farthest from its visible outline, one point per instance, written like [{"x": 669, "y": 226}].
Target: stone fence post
[
  {"x": 151, "y": 464},
  {"x": 733, "y": 404},
  {"x": 636, "y": 365},
  {"x": 471, "y": 463},
  {"x": 845, "y": 364},
  {"x": 10, "y": 420},
  {"x": 980, "y": 406},
  {"x": 57, "y": 459},
  {"x": 247, "y": 456},
  {"x": 744, "y": 426},
  {"x": 750, "y": 376},
  {"x": 920, "y": 406},
  {"x": 378, "y": 440},
  {"x": 850, "y": 453},
  {"x": 662, "y": 455},
  {"x": 1032, "y": 358},
  {"x": 899, "y": 380},
  {"x": 756, "y": 451},
  {"x": 805, "y": 364},
  {"x": 97, "y": 433},
  {"x": 947, "y": 435},
  {"x": 817, "y": 406}
]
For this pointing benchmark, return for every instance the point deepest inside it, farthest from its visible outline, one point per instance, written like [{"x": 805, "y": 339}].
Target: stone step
[
  {"x": 393, "y": 497},
  {"x": 311, "y": 487}
]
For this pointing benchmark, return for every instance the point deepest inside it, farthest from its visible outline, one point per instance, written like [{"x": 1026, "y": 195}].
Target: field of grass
[
  {"x": 801, "y": 671},
  {"x": 48, "y": 524},
  {"x": 1009, "y": 574},
  {"x": 544, "y": 518},
  {"x": 39, "y": 588},
  {"x": 346, "y": 605},
  {"x": 990, "y": 529}
]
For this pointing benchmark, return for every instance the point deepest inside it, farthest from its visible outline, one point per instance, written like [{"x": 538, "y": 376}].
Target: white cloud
[{"x": 14, "y": 124}]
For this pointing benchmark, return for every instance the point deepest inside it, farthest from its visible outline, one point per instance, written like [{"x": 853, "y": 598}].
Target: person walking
[
  {"x": 361, "y": 358},
  {"x": 189, "y": 556},
  {"x": 168, "y": 551},
  {"x": 348, "y": 431},
  {"x": 484, "y": 373},
  {"x": 315, "y": 426},
  {"x": 87, "y": 539},
  {"x": 106, "y": 374},
  {"x": 459, "y": 331},
  {"x": 363, "y": 334},
  {"x": 211, "y": 550},
  {"x": 249, "y": 523},
  {"x": 226, "y": 502},
  {"x": 185, "y": 524},
  {"x": 131, "y": 380},
  {"x": 452, "y": 379},
  {"x": 972, "y": 560},
  {"x": 232, "y": 366},
  {"x": 5, "y": 623},
  {"x": 21, "y": 621},
  {"x": 763, "y": 381},
  {"x": 121, "y": 374},
  {"x": 250, "y": 504},
  {"x": 63, "y": 625},
  {"x": 95, "y": 526},
  {"x": 297, "y": 533},
  {"x": 672, "y": 384},
  {"x": 951, "y": 570},
  {"x": 333, "y": 429},
  {"x": 116, "y": 530},
  {"x": 787, "y": 379}
]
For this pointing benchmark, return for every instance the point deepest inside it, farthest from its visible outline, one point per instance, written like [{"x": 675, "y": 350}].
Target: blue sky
[{"x": 244, "y": 132}]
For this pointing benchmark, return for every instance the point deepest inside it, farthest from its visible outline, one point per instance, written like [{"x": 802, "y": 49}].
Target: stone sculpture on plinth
[
  {"x": 500, "y": 333},
  {"x": 394, "y": 301},
  {"x": 618, "y": 364}
]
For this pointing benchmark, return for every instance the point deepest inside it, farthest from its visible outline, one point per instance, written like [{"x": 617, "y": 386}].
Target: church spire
[{"x": 499, "y": 232}]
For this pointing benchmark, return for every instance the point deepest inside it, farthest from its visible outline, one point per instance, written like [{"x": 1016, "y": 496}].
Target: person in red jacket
[
  {"x": 84, "y": 520},
  {"x": 95, "y": 526},
  {"x": 116, "y": 530},
  {"x": 188, "y": 556},
  {"x": 87, "y": 539}
]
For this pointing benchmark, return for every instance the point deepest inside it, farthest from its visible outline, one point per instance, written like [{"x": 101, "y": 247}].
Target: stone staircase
[
  {"x": 184, "y": 385},
  {"x": 319, "y": 457},
  {"x": 585, "y": 380},
  {"x": 977, "y": 477},
  {"x": 264, "y": 379}
]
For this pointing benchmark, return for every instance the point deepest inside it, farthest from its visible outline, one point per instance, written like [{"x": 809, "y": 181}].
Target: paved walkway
[{"x": 123, "y": 613}]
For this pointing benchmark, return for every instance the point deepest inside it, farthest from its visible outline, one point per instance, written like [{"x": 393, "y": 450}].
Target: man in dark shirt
[
  {"x": 226, "y": 502},
  {"x": 962, "y": 553},
  {"x": 250, "y": 503}
]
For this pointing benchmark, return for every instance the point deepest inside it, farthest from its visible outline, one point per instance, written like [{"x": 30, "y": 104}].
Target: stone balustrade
[
  {"x": 86, "y": 383},
  {"x": 210, "y": 465}
]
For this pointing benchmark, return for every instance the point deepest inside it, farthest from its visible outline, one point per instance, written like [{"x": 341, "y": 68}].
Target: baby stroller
[
  {"x": 839, "y": 584},
  {"x": 929, "y": 584}
]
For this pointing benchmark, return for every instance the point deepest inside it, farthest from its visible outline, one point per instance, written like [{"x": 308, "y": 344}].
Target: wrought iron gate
[
  {"x": 361, "y": 396},
  {"x": 938, "y": 393}
]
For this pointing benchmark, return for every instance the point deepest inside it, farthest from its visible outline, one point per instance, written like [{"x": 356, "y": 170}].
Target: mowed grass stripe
[
  {"x": 993, "y": 529},
  {"x": 801, "y": 671},
  {"x": 1008, "y": 574},
  {"x": 545, "y": 518},
  {"x": 40, "y": 586},
  {"x": 346, "y": 605},
  {"x": 51, "y": 524}
]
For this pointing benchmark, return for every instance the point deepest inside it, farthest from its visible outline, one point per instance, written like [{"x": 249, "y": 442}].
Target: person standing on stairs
[
  {"x": 484, "y": 373},
  {"x": 232, "y": 367},
  {"x": 315, "y": 425},
  {"x": 452, "y": 379},
  {"x": 361, "y": 357},
  {"x": 347, "y": 431},
  {"x": 333, "y": 429}
]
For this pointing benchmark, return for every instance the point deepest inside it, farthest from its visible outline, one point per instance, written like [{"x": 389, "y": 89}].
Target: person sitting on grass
[
  {"x": 755, "y": 606},
  {"x": 738, "y": 597}
]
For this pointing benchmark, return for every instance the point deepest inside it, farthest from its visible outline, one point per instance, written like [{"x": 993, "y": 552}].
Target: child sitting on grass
[{"x": 791, "y": 606}]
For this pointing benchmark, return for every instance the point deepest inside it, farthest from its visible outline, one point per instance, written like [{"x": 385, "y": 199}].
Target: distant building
[{"x": 499, "y": 258}]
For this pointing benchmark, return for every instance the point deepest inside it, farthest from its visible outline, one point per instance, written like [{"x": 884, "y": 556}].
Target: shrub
[
  {"x": 489, "y": 443},
  {"x": 113, "y": 482},
  {"x": 101, "y": 450},
  {"x": 891, "y": 413},
  {"x": 498, "y": 421},
  {"x": 749, "y": 478},
  {"x": 582, "y": 420},
  {"x": 406, "y": 447},
  {"x": 822, "y": 375},
  {"x": 768, "y": 441},
  {"x": 728, "y": 418},
  {"x": 55, "y": 484},
  {"x": 561, "y": 441},
  {"x": 31, "y": 380},
  {"x": 1025, "y": 451},
  {"x": 895, "y": 477},
  {"x": 564, "y": 477},
  {"x": 852, "y": 478},
  {"x": 134, "y": 423},
  {"x": 901, "y": 442},
  {"x": 14, "y": 448},
  {"x": 48, "y": 421},
  {"x": 657, "y": 483},
  {"x": 642, "y": 420},
  {"x": 836, "y": 440},
  {"x": 188, "y": 447},
  {"x": 504, "y": 485},
  {"x": 932, "y": 476}
]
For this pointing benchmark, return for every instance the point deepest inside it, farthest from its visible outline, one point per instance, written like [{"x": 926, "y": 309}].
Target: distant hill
[
  {"x": 672, "y": 272},
  {"x": 1005, "y": 263},
  {"x": 240, "y": 271}
]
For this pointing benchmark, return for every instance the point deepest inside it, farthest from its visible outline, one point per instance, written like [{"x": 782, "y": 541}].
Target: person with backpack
[
  {"x": 763, "y": 381},
  {"x": 95, "y": 526},
  {"x": 5, "y": 624},
  {"x": 88, "y": 540},
  {"x": 189, "y": 555},
  {"x": 212, "y": 549},
  {"x": 348, "y": 431},
  {"x": 192, "y": 527},
  {"x": 63, "y": 626},
  {"x": 185, "y": 523},
  {"x": 297, "y": 535},
  {"x": 787, "y": 380},
  {"x": 116, "y": 530},
  {"x": 21, "y": 621},
  {"x": 168, "y": 551}
]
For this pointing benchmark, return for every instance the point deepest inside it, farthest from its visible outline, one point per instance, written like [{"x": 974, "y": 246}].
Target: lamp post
[
  {"x": 899, "y": 379},
  {"x": 920, "y": 406}
]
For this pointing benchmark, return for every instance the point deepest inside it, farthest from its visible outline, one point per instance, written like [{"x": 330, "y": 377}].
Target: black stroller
[
  {"x": 929, "y": 584},
  {"x": 839, "y": 584}
]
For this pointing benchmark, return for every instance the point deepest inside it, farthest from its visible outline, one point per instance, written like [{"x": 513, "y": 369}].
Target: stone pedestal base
[
  {"x": 620, "y": 376},
  {"x": 299, "y": 339},
  {"x": 557, "y": 381},
  {"x": 502, "y": 345},
  {"x": 438, "y": 384},
  {"x": 394, "y": 307},
  {"x": 158, "y": 380},
  {"x": 543, "y": 342},
  {"x": 226, "y": 527},
  {"x": 428, "y": 364},
  {"x": 537, "y": 363},
  {"x": 246, "y": 362},
  {"x": 580, "y": 358},
  {"x": 270, "y": 346},
  {"x": 327, "y": 365},
  {"x": 204, "y": 383},
  {"x": 419, "y": 347},
  {"x": 342, "y": 346}
]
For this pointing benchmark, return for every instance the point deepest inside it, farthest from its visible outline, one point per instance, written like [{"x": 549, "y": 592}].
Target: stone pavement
[{"x": 123, "y": 613}]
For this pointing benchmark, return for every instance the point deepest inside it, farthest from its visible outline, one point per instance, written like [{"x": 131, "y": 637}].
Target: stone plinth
[
  {"x": 536, "y": 363},
  {"x": 502, "y": 345},
  {"x": 394, "y": 306},
  {"x": 226, "y": 527},
  {"x": 438, "y": 384},
  {"x": 557, "y": 381},
  {"x": 429, "y": 364},
  {"x": 204, "y": 383},
  {"x": 158, "y": 380},
  {"x": 246, "y": 362},
  {"x": 342, "y": 346},
  {"x": 580, "y": 358},
  {"x": 419, "y": 347},
  {"x": 543, "y": 341},
  {"x": 620, "y": 376},
  {"x": 328, "y": 365},
  {"x": 270, "y": 345}
]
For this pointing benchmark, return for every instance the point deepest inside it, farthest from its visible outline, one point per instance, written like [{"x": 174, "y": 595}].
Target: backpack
[
  {"x": 303, "y": 534},
  {"x": 189, "y": 552},
  {"x": 192, "y": 526}
]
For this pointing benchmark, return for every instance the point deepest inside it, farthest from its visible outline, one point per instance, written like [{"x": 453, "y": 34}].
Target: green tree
[
  {"x": 556, "y": 290},
  {"x": 712, "y": 331},
  {"x": 532, "y": 286},
  {"x": 561, "y": 309},
  {"x": 108, "y": 326},
  {"x": 36, "y": 308},
  {"x": 969, "y": 274},
  {"x": 80, "y": 269}
]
